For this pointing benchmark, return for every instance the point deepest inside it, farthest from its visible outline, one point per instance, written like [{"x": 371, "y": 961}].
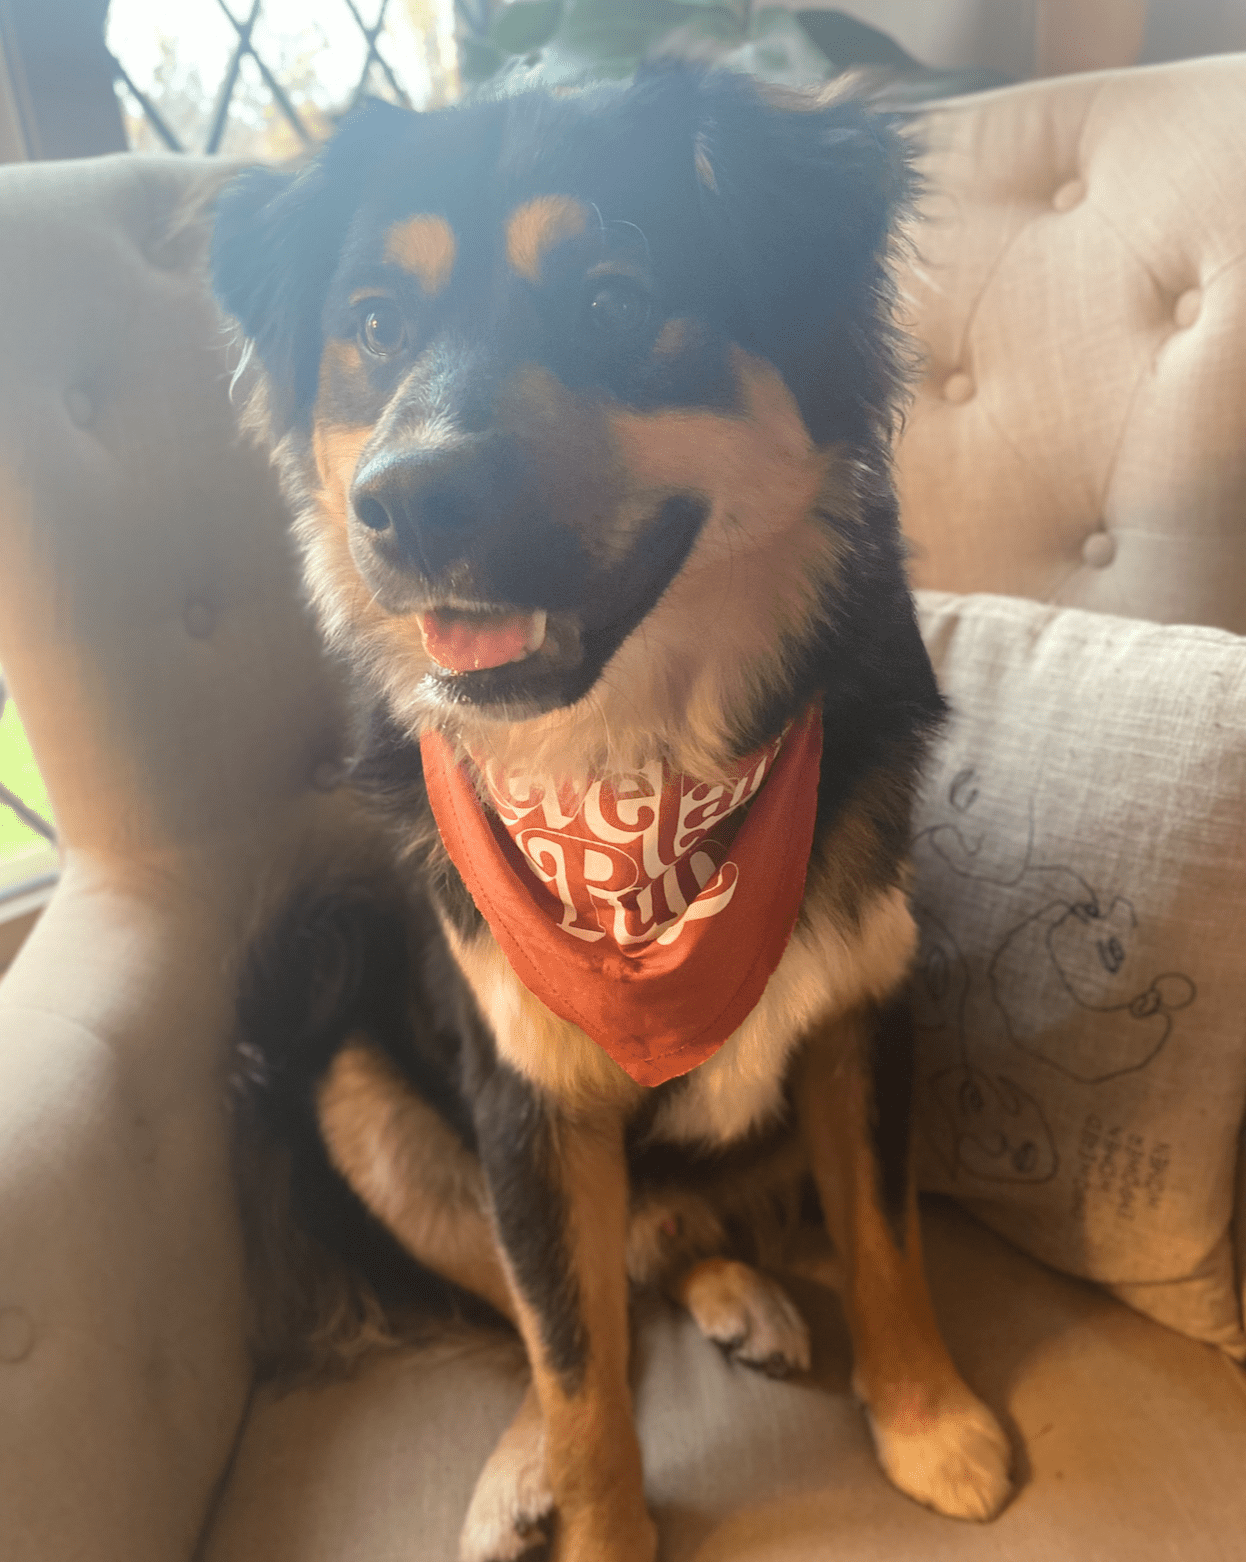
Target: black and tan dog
[{"x": 583, "y": 403}]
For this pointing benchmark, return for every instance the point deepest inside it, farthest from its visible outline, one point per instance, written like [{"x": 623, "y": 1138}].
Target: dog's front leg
[
  {"x": 558, "y": 1184},
  {"x": 936, "y": 1440}
]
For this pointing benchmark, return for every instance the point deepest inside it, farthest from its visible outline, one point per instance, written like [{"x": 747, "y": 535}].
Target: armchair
[{"x": 1079, "y": 436}]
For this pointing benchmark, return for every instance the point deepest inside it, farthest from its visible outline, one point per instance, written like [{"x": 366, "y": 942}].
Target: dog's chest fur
[
  {"x": 825, "y": 970},
  {"x": 852, "y": 945}
]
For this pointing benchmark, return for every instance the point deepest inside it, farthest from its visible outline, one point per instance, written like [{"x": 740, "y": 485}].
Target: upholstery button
[
  {"x": 1099, "y": 549},
  {"x": 1187, "y": 308},
  {"x": 80, "y": 407},
  {"x": 17, "y": 1334},
  {"x": 958, "y": 387},
  {"x": 327, "y": 775},
  {"x": 1069, "y": 195},
  {"x": 199, "y": 619}
]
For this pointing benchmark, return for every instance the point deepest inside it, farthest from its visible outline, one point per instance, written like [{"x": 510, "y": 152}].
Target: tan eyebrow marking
[
  {"x": 425, "y": 247},
  {"x": 537, "y": 226}
]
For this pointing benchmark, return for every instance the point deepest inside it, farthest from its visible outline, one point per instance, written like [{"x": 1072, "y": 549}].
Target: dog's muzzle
[
  {"x": 496, "y": 552},
  {"x": 439, "y": 535},
  {"x": 428, "y": 510}
]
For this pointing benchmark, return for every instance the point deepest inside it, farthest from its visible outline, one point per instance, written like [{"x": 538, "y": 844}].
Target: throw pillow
[{"x": 1080, "y": 887}]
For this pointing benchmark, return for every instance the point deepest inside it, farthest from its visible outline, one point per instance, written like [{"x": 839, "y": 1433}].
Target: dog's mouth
[
  {"x": 489, "y": 645},
  {"x": 470, "y": 640}
]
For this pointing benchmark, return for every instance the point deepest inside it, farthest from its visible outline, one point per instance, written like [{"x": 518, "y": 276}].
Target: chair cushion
[
  {"x": 1079, "y": 286},
  {"x": 150, "y": 625},
  {"x": 1130, "y": 1439}
]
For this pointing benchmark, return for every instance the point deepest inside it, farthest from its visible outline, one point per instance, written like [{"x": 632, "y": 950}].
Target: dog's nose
[{"x": 427, "y": 506}]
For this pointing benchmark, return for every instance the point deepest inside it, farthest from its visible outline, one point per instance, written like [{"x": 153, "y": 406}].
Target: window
[
  {"x": 27, "y": 839},
  {"x": 265, "y": 78}
]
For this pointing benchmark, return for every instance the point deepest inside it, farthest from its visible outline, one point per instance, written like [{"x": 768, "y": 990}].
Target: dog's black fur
[{"x": 452, "y": 426}]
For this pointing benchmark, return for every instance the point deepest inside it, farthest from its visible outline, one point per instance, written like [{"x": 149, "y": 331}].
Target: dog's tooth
[{"x": 536, "y": 631}]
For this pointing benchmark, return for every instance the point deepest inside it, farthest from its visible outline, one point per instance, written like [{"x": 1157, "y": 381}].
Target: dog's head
[{"x": 543, "y": 369}]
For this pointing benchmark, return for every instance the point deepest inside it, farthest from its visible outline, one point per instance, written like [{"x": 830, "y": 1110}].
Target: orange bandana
[{"x": 650, "y": 912}]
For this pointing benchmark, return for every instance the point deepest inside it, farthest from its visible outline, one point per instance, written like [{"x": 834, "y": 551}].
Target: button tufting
[
  {"x": 199, "y": 619},
  {"x": 1188, "y": 307},
  {"x": 80, "y": 407},
  {"x": 1069, "y": 195},
  {"x": 958, "y": 387},
  {"x": 1099, "y": 550},
  {"x": 17, "y": 1334},
  {"x": 327, "y": 775}
]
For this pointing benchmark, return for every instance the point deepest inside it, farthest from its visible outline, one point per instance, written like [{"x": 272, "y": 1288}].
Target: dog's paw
[
  {"x": 955, "y": 1460},
  {"x": 749, "y": 1315},
  {"x": 511, "y": 1513}
]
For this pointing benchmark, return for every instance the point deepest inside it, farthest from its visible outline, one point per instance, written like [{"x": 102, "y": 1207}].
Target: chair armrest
[{"x": 123, "y": 1371}]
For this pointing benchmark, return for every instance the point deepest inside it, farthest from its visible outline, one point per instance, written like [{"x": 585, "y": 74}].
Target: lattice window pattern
[
  {"x": 266, "y": 78},
  {"x": 27, "y": 838}
]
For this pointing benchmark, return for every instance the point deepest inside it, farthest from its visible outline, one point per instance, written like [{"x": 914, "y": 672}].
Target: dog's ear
[
  {"x": 276, "y": 242},
  {"x": 802, "y": 194},
  {"x": 802, "y": 191}
]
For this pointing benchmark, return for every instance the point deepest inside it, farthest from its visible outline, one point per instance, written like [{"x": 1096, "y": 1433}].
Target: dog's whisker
[{"x": 620, "y": 222}]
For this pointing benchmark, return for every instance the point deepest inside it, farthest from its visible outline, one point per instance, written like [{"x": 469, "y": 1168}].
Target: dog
[{"x": 583, "y": 402}]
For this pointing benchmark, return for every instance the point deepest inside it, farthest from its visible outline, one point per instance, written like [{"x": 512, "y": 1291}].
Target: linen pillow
[{"x": 1080, "y": 996}]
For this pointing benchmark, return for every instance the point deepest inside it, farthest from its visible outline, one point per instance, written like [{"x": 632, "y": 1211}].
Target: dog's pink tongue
[{"x": 467, "y": 642}]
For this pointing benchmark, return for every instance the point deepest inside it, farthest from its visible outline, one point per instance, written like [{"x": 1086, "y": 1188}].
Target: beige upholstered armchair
[{"x": 1079, "y": 437}]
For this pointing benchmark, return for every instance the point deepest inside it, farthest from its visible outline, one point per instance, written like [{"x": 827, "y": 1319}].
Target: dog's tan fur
[
  {"x": 425, "y": 247},
  {"x": 591, "y": 1449},
  {"x": 537, "y": 227},
  {"x": 935, "y": 1439},
  {"x": 412, "y": 1172}
]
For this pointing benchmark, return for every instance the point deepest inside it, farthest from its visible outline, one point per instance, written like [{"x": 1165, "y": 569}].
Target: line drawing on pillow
[
  {"x": 1071, "y": 939},
  {"x": 987, "y": 1124},
  {"x": 1075, "y": 937}
]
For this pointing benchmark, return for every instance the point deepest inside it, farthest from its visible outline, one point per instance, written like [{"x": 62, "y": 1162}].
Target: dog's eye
[
  {"x": 383, "y": 329},
  {"x": 616, "y": 310}
]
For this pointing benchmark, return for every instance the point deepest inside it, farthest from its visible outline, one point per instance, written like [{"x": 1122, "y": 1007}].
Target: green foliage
[
  {"x": 23, "y": 853},
  {"x": 570, "y": 40},
  {"x": 526, "y": 25}
]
